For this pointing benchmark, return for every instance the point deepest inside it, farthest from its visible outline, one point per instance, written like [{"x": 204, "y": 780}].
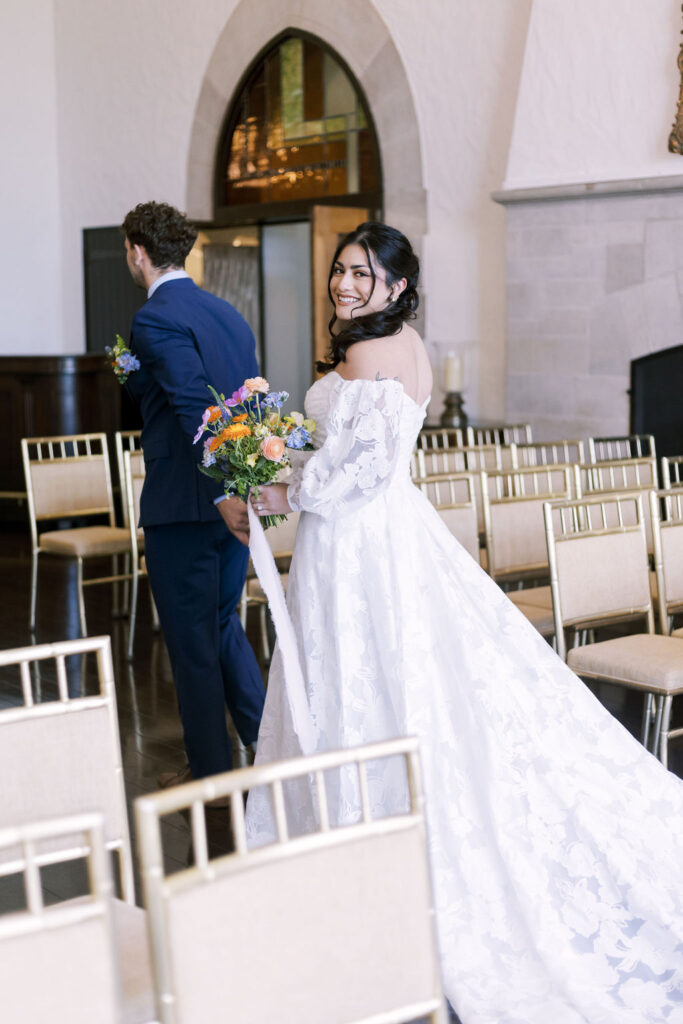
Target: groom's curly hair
[{"x": 165, "y": 233}]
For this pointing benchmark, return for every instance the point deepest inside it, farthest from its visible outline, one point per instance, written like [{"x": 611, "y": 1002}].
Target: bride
[{"x": 555, "y": 839}]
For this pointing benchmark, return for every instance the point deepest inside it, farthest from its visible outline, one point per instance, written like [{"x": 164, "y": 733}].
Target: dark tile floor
[{"x": 150, "y": 730}]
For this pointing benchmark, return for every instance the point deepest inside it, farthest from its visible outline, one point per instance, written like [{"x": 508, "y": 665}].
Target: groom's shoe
[{"x": 168, "y": 779}]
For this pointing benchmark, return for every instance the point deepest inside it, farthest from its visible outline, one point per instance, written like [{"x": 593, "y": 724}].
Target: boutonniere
[{"x": 123, "y": 361}]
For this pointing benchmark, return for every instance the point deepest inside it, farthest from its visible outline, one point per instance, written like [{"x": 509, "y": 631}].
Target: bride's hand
[{"x": 271, "y": 500}]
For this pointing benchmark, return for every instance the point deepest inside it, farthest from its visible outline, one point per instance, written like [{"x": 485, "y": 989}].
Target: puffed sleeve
[{"x": 360, "y": 452}]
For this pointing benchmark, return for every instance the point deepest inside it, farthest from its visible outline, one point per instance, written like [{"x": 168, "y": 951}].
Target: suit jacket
[{"x": 185, "y": 339}]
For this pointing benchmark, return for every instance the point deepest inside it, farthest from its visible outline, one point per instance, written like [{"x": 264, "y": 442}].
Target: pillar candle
[{"x": 453, "y": 372}]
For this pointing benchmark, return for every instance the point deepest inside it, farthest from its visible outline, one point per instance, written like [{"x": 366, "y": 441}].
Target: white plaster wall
[
  {"x": 30, "y": 288},
  {"x": 129, "y": 75},
  {"x": 598, "y": 93},
  {"x": 464, "y": 61}
]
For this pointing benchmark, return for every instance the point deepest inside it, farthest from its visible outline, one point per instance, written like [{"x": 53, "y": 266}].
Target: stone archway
[{"x": 360, "y": 36}]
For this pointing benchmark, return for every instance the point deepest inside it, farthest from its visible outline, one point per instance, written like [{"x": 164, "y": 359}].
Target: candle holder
[{"x": 454, "y": 414}]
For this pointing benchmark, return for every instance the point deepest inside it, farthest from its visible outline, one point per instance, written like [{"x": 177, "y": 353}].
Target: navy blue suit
[{"x": 185, "y": 339}]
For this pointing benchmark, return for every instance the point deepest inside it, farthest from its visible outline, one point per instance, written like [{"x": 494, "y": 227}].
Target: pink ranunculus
[
  {"x": 257, "y": 384},
  {"x": 273, "y": 448}
]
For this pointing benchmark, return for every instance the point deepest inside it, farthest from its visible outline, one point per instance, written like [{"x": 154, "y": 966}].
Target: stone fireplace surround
[{"x": 594, "y": 280}]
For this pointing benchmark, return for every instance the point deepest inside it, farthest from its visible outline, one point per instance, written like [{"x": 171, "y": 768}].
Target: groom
[{"x": 186, "y": 339}]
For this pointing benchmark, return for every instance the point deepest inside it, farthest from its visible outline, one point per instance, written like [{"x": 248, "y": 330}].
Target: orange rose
[
  {"x": 259, "y": 384},
  {"x": 273, "y": 448}
]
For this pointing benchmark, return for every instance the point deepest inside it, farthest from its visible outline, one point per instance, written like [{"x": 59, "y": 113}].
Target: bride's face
[{"x": 353, "y": 290}]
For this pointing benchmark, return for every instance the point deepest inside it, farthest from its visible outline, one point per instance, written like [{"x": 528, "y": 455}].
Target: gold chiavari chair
[
  {"x": 364, "y": 888},
  {"x": 620, "y": 476},
  {"x": 453, "y": 495},
  {"x": 461, "y": 460},
  {"x": 509, "y": 433},
  {"x": 68, "y": 477},
  {"x": 431, "y": 438},
  {"x": 515, "y": 534},
  {"x": 133, "y": 480},
  {"x": 599, "y": 576},
  {"x": 57, "y": 960},
  {"x": 631, "y": 446},
  {"x": 666, "y": 510},
  {"x": 126, "y": 441},
  {"x": 548, "y": 453},
  {"x": 672, "y": 471},
  {"x": 60, "y": 754}
]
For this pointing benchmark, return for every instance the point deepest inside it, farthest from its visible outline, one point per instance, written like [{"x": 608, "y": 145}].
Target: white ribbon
[{"x": 269, "y": 578}]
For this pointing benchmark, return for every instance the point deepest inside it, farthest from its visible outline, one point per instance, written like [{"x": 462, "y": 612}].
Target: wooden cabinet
[{"x": 47, "y": 395}]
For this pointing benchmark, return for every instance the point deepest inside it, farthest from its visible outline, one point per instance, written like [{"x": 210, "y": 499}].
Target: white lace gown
[{"x": 555, "y": 839}]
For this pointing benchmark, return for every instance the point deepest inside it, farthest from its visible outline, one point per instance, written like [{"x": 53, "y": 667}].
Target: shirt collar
[{"x": 170, "y": 275}]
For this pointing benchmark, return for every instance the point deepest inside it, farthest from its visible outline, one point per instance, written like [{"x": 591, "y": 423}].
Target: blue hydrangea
[
  {"x": 298, "y": 438},
  {"x": 276, "y": 399},
  {"x": 127, "y": 362},
  {"x": 208, "y": 458}
]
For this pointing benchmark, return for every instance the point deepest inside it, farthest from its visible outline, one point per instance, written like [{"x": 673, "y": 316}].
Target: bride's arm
[{"x": 358, "y": 458}]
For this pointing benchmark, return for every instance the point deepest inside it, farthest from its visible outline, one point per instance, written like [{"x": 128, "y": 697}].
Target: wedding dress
[{"x": 555, "y": 839}]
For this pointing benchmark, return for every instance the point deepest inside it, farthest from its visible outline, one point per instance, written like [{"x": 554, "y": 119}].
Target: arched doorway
[
  {"x": 370, "y": 59},
  {"x": 297, "y": 165}
]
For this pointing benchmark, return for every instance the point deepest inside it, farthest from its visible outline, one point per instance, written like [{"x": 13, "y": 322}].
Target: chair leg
[
  {"x": 659, "y": 706},
  {"x": 115, "y": 607},
  {"x": 265, "y": 646},
  {"x": 664, "y": 733},
  {"x": 647, "y": 719},
  {"x": 243, "y": 608},
  {"x": 34, "y": 592},
  {"x": 81, "y": 602},
  {"x": 133, "y": 613}
]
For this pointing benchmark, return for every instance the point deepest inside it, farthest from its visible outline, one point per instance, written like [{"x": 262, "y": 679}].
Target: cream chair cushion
[
  {"x": 538, "y": 597},
  {"x": 86, "y": 542},
  {"x": 541, "y": 618},
  {"x": 643, "y": 661}
]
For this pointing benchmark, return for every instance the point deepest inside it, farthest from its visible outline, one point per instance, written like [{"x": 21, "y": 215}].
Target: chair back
[
  {"x": 672, "y": 471},
  {"x": 125, "y": 441},
  {"x": 462, "y": 460},
  {"x": 60, "y": 752},
  {"x": 631, "y": 446},
  {"x": 133, "y": 480},
  {"x": 624, "y": 475},
  {"x": 431, "y": 438},
  {"x": 509, "y": 433},
  {"x": 513, "y": 518},
  {"x": 598, "y": 559},
  {"x": 666, "y": 512},
  {"x": 453, "y": 495},
  {"x": 361, "y": 890},
  {"x": 57, "y": 963},
  {"x": 67, "y": 476},
  {"x": 548, "y": 453}
]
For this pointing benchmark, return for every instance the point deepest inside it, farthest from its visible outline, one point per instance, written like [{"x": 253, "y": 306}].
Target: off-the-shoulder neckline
[{"x": 384, "y": 380}]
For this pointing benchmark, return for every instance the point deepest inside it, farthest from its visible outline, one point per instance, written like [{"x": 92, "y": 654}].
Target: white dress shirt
[{"x": 169, "y": 275}]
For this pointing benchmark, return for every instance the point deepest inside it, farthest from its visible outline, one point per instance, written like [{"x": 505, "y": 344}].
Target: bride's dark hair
[{"x": 394, "y": 254}]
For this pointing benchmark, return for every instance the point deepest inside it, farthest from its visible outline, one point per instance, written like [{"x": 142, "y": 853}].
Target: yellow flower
[
  {"x": 252, "y": 459},
  {"x": 309, "y": 425},
  {"x": 257, "y": 384}
]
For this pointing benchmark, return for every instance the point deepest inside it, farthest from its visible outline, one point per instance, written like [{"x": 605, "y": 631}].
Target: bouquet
[
  {"x": 122, "y": 359},
  {"x": 249, "y": 438}
]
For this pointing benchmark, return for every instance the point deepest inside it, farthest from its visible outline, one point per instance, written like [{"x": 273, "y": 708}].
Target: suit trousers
[{"x": 197, "y": 571}]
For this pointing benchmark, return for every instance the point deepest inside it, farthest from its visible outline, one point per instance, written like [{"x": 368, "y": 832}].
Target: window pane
[{"x": 299, "y": 131}]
